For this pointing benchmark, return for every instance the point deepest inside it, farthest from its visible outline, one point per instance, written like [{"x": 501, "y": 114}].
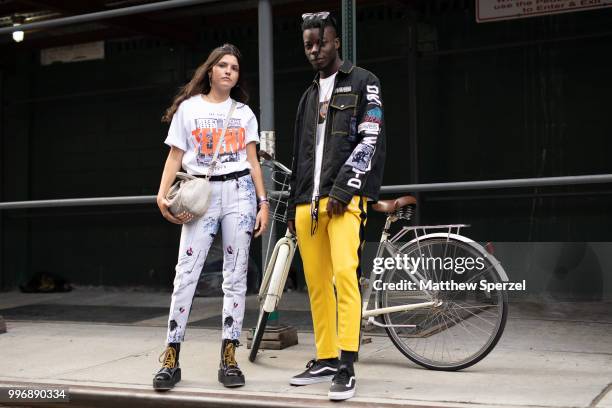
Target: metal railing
[
  {"x": 102, "y": 15},
  {"x": 402, "y": 188}
]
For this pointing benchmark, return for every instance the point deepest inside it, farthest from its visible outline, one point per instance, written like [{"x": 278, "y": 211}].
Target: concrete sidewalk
[{"x": 557, "y": 356}]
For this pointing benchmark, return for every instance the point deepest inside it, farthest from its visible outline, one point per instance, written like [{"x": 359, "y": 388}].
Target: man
[{"x": 338, "y": 160}]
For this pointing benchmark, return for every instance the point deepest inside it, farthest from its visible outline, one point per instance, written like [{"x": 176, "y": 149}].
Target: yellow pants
[{"x": 333, "y": 252}]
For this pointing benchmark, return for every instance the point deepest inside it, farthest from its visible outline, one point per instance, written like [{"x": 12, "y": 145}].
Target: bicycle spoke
[
  {"x": 492, "y": 315},
  {"x": 475, "y": 326},
  {"x": 444, "y": 333},
  {"x": 480, "y": 273},
  {"x": 483, "y": 309},
  {"x": 461, "y": 323}
]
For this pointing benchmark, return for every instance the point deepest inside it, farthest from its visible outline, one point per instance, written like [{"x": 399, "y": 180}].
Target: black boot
[
  {"x": 170, "y": 373},
  {"x": 229, "y": 372}
]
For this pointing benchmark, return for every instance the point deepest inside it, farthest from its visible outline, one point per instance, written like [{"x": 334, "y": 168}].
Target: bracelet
[
  {"x": 262, "y": 198},
  {"x": 262, "y": 202}
]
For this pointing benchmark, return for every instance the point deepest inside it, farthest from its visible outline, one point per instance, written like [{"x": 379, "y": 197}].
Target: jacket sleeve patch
[
  {"x": 373, "y": 95},
  {"x": 369, "y": 127},
  {"x": 361, "y": 156},
  {"x": 373, "y": 115}
]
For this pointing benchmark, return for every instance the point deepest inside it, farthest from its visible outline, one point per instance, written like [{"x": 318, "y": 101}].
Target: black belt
[{"x": 224, "y": 177}]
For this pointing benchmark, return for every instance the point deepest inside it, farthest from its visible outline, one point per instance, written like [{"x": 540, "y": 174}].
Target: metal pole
[
  {"x": 2, "y": 161},
  {"x": 266, "y": 65},
  {"x": 349, "y": 31},
  {"x": 400, "y": 188},
  {"x": 101, "y": 15},
  {"x": 266, "y": 101},
  {"x": 413, "y": 137},
  {"x": 78, "y": 202},
  {"x": 508, "y": 183}
]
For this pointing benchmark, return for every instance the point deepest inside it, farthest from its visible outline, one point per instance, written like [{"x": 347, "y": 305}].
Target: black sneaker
[
  {"x": 170, "y": 373},
  {"x": 230, "y": 374},
  {"x": 316, "y": 371},
  {"x": 343, "y": 384}
]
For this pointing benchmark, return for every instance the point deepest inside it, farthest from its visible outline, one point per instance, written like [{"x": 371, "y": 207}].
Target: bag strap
[{"x": 213, "y": 163}]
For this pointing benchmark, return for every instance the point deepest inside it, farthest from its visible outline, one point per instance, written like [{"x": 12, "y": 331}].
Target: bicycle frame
[
  {"x": 274, "y": 278},
  {"x": 387, "y": 244}
]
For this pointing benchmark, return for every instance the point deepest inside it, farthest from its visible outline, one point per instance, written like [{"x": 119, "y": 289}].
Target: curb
[{"x": 98, "y": 397}]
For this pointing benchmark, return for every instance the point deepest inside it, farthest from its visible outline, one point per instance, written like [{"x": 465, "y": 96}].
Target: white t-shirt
[
  {"x": 196, "y": 128},
  {"x": 326, "y": 86}
]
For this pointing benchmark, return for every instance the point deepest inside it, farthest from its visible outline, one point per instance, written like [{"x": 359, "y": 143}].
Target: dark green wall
[
  {"x": 535, "y": 106},
  {"x": 92, "y": 129}
]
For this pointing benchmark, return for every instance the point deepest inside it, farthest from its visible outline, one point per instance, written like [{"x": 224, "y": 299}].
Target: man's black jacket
[{"x": 354, "y": 148}]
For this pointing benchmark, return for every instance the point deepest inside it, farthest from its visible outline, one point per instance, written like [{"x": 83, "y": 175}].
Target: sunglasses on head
[{"x": 321, "y": 15}]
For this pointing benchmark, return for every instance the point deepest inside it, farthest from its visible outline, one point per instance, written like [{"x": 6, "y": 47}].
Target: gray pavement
[{"x": 551, "y": 355}]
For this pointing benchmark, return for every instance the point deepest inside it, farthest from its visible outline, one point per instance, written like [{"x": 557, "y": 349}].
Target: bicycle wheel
[
  {"x": 463, "y": 325},
  {"x": 258, "y": 334}
]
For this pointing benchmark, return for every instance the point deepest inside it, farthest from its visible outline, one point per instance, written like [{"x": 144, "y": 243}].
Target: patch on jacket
[
  {"x": 361, "y": 156},
  {"x": 371, "y": 128},
  {"x": 373, "y": 115},
  {"x": 343, "y": 89}
]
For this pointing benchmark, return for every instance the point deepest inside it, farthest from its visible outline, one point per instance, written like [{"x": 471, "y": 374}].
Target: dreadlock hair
[{"x": 320, "y": 23}]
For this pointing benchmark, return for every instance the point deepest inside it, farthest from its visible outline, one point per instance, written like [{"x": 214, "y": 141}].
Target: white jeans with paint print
[{"x": 234, "y": 206}]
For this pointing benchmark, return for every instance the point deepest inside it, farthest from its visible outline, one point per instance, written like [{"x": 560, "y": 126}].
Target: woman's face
[{"x": 225, "y": 73}]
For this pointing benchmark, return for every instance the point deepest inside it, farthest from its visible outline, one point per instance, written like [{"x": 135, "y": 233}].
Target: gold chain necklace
[{"x": 326, "y": 100}]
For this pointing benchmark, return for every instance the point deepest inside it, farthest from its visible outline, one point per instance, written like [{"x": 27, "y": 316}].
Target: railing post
[
  {"x": 413, "y": 139},
  {"x": 266, "y": 99},
  {"x": 349, "y": 31}
]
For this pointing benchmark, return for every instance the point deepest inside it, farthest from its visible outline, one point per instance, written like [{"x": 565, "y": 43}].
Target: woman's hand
[
  {"x": 173, "y": 164},
  {"x": 261, "y": 221},
  {"x": 164, "y": 205}
]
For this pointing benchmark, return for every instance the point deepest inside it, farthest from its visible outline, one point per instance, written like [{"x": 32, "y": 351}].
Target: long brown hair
[{"x": 200, "y": 83}]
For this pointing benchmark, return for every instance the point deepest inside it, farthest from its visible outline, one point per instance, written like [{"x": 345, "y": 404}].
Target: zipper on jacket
[
  {"x": 314, "y": 207},
  {"x": 327, "y": 127},
  {"x": 314, "y": 200}
]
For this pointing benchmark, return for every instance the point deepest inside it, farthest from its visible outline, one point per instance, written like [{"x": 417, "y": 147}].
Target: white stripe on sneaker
[
  {"x": 311, "y": 380},
  {"x": 323, "y": 369},
  {"x": 341, "y": 395}
]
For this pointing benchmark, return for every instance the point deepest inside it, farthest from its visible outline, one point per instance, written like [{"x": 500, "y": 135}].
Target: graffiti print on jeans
[
  {"x": 247, "y": 187},
  {"x": 175, "y": 334},
  {"x": 246, "y": 223},
  {"x": 211, "y": 225}
]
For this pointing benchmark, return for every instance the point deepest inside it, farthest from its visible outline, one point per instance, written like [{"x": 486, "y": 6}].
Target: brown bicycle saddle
[{"x": 389, "y": 206}]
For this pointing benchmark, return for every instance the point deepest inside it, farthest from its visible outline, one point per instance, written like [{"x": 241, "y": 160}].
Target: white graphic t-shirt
[
  {"x": 326, "y": 86},
  {"x": 196, "y": 129}
]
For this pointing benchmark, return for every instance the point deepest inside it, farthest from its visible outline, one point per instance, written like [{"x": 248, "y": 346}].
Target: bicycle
[{"x": 434, "y": 326}]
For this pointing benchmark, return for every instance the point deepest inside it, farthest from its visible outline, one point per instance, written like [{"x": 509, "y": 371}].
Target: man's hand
[
  {"x": 291, "y": 226},
  {"x": 335, "y": 207}
]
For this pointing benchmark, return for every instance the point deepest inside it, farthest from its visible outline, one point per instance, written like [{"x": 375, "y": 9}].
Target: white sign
[
  {"x": 73, "y": 53},
  {"x": 493, "y": 10}
]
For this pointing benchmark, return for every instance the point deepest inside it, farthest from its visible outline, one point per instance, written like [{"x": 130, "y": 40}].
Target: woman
[{"x": 238, "y": 201}]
